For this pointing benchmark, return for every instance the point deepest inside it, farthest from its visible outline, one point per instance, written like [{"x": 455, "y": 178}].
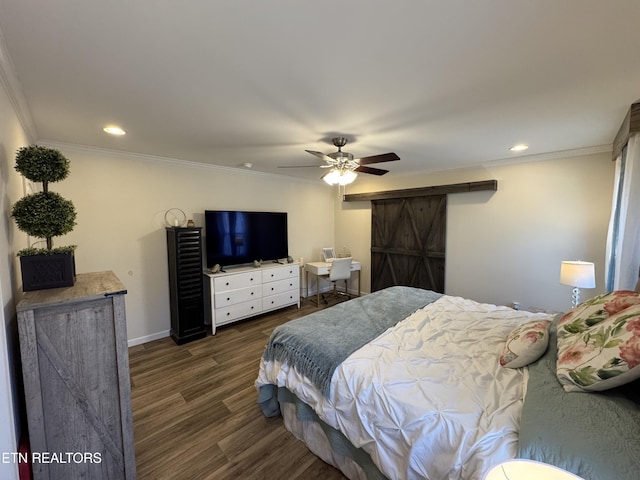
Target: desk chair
[{"x": 340, "y": 270}]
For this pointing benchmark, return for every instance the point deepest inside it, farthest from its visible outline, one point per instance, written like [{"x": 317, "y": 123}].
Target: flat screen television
[{"x": 236, "y": 238}]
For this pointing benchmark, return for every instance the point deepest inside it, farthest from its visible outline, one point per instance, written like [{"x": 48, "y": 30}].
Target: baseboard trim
[{"x": 132, "y": 342}]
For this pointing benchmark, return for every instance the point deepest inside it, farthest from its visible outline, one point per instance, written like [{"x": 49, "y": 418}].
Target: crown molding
[
  {"x": 143, "y": 157},
  {"x": 559, "y": 155},
  {"x": 11, "y": 83},
  {"x": 120, "y": 154},
  {"x": 539, "y": 157}
]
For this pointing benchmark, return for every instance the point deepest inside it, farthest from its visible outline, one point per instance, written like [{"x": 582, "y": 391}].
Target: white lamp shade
[{"x": 578, "y": 274}]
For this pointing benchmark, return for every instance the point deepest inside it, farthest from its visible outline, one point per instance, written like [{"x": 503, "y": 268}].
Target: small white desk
[{"x": 321, "y": 269}]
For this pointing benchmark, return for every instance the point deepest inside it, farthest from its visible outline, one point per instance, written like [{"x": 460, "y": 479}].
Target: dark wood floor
[{"x": 195, "y": 414}]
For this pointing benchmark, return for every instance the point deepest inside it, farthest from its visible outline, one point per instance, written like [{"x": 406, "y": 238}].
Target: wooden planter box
[{"x": 40, "y": 272}]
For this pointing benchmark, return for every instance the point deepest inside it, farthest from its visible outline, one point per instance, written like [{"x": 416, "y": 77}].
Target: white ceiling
[{"x": 443, "y": 84}]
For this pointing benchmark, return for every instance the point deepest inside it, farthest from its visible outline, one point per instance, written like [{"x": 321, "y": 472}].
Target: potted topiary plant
[{"x": 45, "y": 215}]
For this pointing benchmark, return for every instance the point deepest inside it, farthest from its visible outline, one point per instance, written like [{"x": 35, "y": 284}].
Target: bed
[{"x": 407, "y": 383}]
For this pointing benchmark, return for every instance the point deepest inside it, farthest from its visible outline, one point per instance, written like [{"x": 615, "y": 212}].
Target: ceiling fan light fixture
[
  {"x": 344, "y": 168},
  {"x": 339, "y": 177}
]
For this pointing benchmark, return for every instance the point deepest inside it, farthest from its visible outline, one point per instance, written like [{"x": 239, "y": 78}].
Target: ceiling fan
[{"x": 343, "y": 161}]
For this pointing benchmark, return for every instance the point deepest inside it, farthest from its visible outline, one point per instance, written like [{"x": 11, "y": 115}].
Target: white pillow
[{"x": 526, "y": 344}]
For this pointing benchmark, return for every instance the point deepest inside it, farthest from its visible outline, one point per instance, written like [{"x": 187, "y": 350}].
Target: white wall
[
  {"x": 502, "y": 246},
  {"x": 507, "y": 245},
  {"x": 121, "y": 200},
  {"x": 12, "y": 137}
]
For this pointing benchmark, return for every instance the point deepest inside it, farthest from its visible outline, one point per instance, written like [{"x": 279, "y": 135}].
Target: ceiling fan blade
[
  {"x": 383, "y": 157},
  {"x": 372, "y": 171},
  {"x": 320, "y": 155}
]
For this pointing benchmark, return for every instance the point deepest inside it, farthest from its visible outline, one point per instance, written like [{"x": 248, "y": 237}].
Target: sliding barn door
[{"x": 408, "y": 239}]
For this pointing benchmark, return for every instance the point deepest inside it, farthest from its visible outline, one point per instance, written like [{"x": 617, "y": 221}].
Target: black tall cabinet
[{"x": 184, "y": 251}]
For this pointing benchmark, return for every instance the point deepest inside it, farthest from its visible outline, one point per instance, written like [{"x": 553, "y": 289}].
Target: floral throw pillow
[
  {"x": 601, "y": 356},
  {"x": 595, "y": 310},
  {"x": 526, "y": 344}
]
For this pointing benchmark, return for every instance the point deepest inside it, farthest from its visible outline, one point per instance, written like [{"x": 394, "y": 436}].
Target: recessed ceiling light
[
  {"x": 519, "y": 148},
  {"x": 113, "y": 130}
]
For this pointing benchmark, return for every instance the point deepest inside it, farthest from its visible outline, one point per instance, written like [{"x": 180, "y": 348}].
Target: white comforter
[{"x": 427, "y": 399}]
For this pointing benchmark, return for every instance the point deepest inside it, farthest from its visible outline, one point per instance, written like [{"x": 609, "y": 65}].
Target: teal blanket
[
  {"x": 594, "y": 435},
  {"x": 317, "y": 343}
]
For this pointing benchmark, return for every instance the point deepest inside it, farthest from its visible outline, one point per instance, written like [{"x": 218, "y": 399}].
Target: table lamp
[{"x": 578, "y": 275}]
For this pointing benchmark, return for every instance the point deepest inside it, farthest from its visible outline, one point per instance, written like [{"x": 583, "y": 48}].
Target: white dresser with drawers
[{"x": 244, "y": 292}]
